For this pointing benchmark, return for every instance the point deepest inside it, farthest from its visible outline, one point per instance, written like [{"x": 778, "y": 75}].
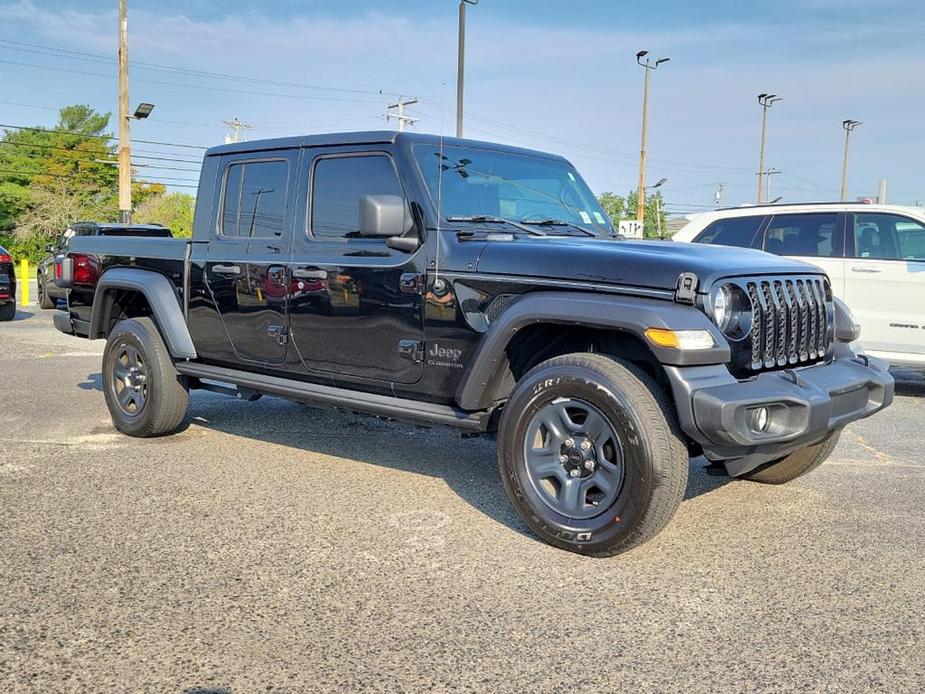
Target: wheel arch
[
  {"x": 541, "y": 325},
  {"x": 131, "y": 293}
]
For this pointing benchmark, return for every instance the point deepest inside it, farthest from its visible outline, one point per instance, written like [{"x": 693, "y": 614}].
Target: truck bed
[{"x": 163, "y": 255}]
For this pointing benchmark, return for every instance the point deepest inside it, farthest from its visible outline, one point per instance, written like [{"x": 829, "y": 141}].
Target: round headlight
[
  {"x": 721, "y": 306},
  {"x": 732, "y": 311}
]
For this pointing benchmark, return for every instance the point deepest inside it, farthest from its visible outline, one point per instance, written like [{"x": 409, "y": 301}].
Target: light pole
[
  {"x": 766, "y": 101},
  {"x": 848, "y": 125},
  {"x": 769, "y": 173},
  {"x": 461, "y": 64},
  {"x": 647, "y": 66}
]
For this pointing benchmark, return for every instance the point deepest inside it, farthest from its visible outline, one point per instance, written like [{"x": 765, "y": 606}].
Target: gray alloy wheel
[
  {"x": 574, "y": 458},
  {"x": 129, "y": 380}
]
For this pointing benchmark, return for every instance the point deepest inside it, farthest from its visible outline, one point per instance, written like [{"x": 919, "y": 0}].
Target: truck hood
[{"x": 651, "y": 264}]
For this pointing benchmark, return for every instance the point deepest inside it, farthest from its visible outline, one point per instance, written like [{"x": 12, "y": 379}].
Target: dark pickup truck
[{"x": 479, "y": 286}]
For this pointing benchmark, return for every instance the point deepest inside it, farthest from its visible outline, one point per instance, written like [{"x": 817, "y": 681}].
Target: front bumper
[{"x": 804, "y": 406}]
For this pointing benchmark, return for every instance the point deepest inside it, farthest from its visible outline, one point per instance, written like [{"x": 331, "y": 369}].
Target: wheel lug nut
[
  {"x": 574, "y": 472},
  {"x": 569, "y": 442},
  {"x": 585, "y": 445},
  {"x": 589, "y": 464},
  {"x": 563, "y": 458}
]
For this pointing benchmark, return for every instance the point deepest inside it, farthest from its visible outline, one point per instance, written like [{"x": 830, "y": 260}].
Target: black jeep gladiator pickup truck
[{"x": 475, "y": 285}]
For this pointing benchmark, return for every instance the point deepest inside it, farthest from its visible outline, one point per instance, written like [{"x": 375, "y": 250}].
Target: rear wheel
[
  {"x": 591, "y": 455},
  {"x": 796, "y": 464},
  {"x": 144, "y": 393},
  {"x": 45, "y": 301},
  {"x": 7, "y": 311}
]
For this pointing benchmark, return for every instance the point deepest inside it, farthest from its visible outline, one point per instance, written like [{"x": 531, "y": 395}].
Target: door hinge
[
  {"x": 411, "y": 349},
  {"x": 280, "y": 333}
]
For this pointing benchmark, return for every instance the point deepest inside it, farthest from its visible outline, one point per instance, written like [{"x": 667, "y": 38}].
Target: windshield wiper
[
  {"x": 552, "y": 222},
  {"x": 491, "y": 219}
]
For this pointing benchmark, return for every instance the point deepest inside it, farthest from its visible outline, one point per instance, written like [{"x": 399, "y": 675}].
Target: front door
[
  {"x": 246, "y": 269},
  {"x": 885, "y": 281},
  {"x": 355, "y": 307}
]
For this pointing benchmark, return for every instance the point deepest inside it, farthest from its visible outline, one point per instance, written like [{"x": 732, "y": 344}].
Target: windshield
[{"x": 484, "y": 182}]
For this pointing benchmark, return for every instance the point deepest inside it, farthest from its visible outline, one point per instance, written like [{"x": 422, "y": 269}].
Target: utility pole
[
  {"x": 461, "y": 64},
  {"x": 848, "y": 125},
  {"x": 766, "y": 101},
  {"x": 237, "y": 127},
  {"x": 125, "y": 145},
  {"x": 718, "y": 195},
  {"x": 881, "y": 192},
  {"x": 768, "y": 174},
  {"x": 400, "y": 116},
  {"x": 641, "y": 194}
]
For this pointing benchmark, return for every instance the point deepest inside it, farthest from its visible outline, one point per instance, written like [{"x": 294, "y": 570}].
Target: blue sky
[{"x": 550, "y": 75}]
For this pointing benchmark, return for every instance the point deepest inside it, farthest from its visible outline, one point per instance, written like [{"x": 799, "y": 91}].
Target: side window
[
  {"x": 337, "y": 185},
  {"x": 254, "y": 199},
  {"x": 811, "y": 235},
  {"x": 888, "y": 237},
  {"x": 735, "y": 231}
]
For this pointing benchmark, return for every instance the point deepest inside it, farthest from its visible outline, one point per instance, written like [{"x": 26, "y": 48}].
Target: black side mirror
[{"x": 384, "y": 216}]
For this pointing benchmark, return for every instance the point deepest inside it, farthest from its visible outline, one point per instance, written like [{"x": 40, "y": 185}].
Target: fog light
[{"x": 761, "y": 419}]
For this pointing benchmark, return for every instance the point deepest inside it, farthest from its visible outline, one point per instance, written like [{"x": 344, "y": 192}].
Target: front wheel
[
  {"x": 144, "y": 393},
  {"x": 796, "y": 464},
  {"x": 591, "y": 454}
]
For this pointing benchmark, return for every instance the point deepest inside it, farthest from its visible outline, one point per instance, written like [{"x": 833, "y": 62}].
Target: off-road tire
[
  {"x": 7, "y": 311},
  {"x": 165, "y": 394},
  {"x": 796, "y": 464},
  {"x": 45, "y": 301},
  {"x": 655, "y": 458}
]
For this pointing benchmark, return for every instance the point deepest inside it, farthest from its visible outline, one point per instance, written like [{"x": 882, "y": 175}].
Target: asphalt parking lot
[{"x": 273, "y": 546}]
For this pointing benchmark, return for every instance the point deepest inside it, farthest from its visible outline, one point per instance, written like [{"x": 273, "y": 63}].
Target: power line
[
  {"x": 99, "y": 57},
  {"x": 29, "y": 145},
  {"x": 97, "y": 137}
]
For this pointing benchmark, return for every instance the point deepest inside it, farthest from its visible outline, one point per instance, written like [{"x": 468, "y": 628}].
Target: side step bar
[{"x": 367, "y": 403}]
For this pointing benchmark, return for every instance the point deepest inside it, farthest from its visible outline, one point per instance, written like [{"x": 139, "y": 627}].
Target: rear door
[
  {"x": 246, "y": 269},
  {"x": 885, "y": 281},
  {"x": 816, "y": 237}
]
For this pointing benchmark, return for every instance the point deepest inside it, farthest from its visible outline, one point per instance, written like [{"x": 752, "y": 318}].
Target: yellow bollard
[{"x": 24, "y": 282}]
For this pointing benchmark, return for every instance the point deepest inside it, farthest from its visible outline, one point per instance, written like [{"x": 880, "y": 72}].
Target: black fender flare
[
  {"x": 162, "y": 298},
  {"x": 480, "y": 384}
]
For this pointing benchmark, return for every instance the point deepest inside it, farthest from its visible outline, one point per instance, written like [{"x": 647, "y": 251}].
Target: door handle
[
  {"x": 305, "y": 273},
  {"x": 865, "y": 268},
  {"x": 227, "y": 269}
]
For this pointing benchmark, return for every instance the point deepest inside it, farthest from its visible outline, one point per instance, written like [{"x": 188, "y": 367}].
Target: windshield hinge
[{"x": 687, "y": 288}]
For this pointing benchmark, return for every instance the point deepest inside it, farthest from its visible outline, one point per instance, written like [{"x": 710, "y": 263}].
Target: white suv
[{"x": 874, "y": 256}]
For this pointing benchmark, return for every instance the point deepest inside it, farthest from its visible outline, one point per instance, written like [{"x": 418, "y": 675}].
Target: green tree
[
  {"x": 52, "y": 177},
  {"x": 174, "y": 211},
  {"x": 614, "y": 205}
]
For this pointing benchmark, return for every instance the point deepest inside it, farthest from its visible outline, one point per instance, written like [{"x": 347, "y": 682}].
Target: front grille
[{"x": 792, "y": 322}]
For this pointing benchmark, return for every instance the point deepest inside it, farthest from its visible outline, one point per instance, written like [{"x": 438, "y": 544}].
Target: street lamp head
[
  {"x": 143, "y": 111},
  {"x": 660, "y": 182},
  {"x": 642, "y": 54},
  {"x": 661, "y": 60},
  {"x": 471, "y": 2},
  {"x": 761, "y": 96}
]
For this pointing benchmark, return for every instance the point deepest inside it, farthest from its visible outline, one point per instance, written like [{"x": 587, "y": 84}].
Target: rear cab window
[{"x": 733, "y": 231}]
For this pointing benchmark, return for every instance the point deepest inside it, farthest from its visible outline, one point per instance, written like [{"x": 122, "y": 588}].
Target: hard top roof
[{"x": 369, "y": 137}]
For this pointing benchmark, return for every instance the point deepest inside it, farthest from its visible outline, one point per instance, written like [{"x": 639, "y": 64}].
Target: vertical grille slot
[{"x": 790, "y": 321}]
